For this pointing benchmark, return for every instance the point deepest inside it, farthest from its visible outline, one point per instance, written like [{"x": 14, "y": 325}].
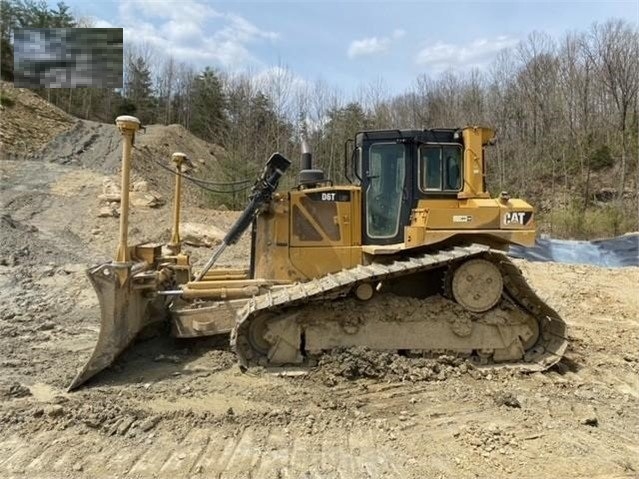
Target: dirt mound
[
  {"x": 356, "y": 363},
  {"x": 98, "y": 146},
  {"x": 32, "y": 128},
  {"x": 22, "y": 244},
  {"x": 27, "y": 121}
]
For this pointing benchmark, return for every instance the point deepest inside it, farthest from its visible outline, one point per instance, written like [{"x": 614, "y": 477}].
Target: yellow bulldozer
[{"x": 409, "y": 256}]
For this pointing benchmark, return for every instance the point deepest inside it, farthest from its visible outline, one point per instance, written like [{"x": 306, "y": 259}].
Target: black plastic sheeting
[{"x": 611, "y": 253}]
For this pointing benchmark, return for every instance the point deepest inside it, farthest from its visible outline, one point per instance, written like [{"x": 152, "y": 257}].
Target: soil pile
[
  {"x": 32, "y": 128},
  {"x": 98, "y": 147},
  {"x": 27, "y": 121},
  {"x": 357, "y": 363}
]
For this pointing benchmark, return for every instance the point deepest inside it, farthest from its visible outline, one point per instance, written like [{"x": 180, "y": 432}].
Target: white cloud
[
  {"x": 373, "y": 45},
  {"x": 99, "y": 23},
  {"x": 477, "y": 53},
  {"x": 185, "y": 31},
  {"x": 279, "y": 78}
]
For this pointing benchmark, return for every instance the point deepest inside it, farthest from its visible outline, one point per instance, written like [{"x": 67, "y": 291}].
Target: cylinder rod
[{"x": 127, "y": 125}]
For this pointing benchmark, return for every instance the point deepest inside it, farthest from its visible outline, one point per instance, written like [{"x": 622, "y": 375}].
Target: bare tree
[{"x": 614, "y": 49}]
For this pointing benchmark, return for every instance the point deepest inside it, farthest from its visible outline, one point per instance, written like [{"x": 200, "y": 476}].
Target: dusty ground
[{"x": 182, "y": 408}]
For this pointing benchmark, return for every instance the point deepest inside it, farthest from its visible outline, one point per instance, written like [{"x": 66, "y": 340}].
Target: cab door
[{"x": 386, "y": 181}]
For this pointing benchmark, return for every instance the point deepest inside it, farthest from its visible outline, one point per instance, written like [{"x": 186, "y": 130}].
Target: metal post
[
  {"x": 127, "y": 125},
  {"x": 175, "y": 245}
]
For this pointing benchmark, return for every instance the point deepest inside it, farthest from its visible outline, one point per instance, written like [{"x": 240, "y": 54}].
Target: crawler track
[{"x": 297, "y": 324}]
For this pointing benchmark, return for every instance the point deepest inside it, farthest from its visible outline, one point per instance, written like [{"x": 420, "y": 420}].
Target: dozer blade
[{"x": 124, "y": 310}]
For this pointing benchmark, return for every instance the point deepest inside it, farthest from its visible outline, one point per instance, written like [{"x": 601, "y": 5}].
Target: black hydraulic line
[
  {"x": 201, "y": 182},
  {"x": 260, "y": 195}
]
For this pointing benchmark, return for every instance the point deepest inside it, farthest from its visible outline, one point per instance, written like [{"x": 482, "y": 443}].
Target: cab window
[
  {"x": 386, "y": 177},
  {"x": 440, "y": 167}
]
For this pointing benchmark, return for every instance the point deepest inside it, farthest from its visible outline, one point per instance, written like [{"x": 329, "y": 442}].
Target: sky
[{"x": 349, "y": 43}]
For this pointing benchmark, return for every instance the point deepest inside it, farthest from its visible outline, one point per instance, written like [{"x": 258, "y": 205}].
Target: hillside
[
  {"x": 27, "y": 121},
  {"x": 33, "y": 129}
]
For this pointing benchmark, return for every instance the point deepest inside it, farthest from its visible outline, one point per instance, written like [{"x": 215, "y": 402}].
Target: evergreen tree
[
  {"x": 209, "y": 119},
  {"x": 8, "y": 21},
  {"x": 139, "y": 90}
]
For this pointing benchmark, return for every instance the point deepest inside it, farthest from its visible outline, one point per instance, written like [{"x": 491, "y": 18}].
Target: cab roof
[{"x": 434, "y": 135}]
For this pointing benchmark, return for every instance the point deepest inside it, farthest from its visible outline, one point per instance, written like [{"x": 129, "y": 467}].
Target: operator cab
[{"x": 397, "y": 168}]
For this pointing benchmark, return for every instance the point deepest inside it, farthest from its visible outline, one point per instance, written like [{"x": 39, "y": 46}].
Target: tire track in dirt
[{"x": 252, "y": 452}]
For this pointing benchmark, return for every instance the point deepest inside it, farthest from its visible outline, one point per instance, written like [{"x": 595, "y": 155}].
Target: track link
[{"x": 286, "y": 302}]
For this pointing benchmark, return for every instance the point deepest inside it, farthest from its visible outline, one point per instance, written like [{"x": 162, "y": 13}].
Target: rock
[
  {"x": 201, "y": 235},
  {"x": 586, "y": 415},
  {"x": 506, "y": 399},
  {"x": 111, "y": 189},
  {"x": 124, "y": 425},
  {"x": 46, "y": 326},
  {"x": 112, "y": 198},
  {"x": 107, "y": 212},
  {"x": 93, "y": 422},
  {"x": 17, "y": 390},
  {"x": 114, "y": 427},
  {"x": 167, "y": 358},
  {"x": 55, "y": 410},
  {"x": 78, "y": 467},
  {"x": 74, "y": 267},
  {"x": 149, "y": 423},
  {"x": 140, "y": 185},
  {"x": 149, "y": 199}
]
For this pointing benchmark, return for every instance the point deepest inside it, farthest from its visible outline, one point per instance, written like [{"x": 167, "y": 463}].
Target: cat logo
[{"x": 517, "y": 217}]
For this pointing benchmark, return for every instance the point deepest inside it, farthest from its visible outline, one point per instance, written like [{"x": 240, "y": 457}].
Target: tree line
[{"x": 565, "y": 109}]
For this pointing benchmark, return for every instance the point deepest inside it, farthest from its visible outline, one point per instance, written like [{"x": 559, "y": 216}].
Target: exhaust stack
[{"x": 309, "y": 177}]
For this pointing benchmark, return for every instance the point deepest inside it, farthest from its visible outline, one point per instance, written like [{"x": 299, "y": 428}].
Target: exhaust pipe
[
  {"x": 308, "y": 177},
  {"x": 307, "y": 156}
]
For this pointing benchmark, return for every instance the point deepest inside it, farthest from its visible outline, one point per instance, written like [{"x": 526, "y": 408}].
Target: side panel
[
  {"x": 461, "y": 214},
  {"x": 271, "y": 242},
  {"x": 325, "y": 230},
  {"x": 309, "y": 232},
  {"x": 489, "y": 221}
]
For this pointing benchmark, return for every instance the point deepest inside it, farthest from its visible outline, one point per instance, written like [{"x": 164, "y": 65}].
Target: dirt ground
[{"x": 172, "y": 408}]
